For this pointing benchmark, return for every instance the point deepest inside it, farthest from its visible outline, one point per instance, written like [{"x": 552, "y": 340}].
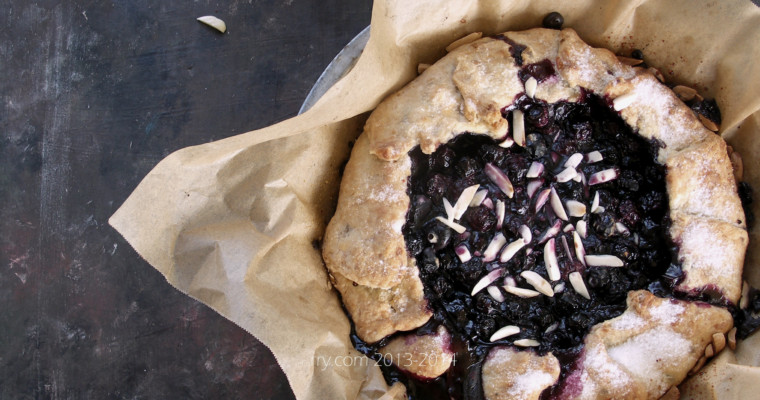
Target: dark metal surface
[{"x": 93, "y": 95}]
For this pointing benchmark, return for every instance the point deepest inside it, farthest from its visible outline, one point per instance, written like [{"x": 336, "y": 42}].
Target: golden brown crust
[
  {"x": 378, "y": 313},
  {"x": 648, "y": 349},
  {"x": 426, "y": 356},
  {"x": 509, "y": 374}
]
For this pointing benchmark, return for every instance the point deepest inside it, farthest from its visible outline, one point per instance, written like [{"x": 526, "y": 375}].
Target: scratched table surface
[{"x": 93, "y": 95}]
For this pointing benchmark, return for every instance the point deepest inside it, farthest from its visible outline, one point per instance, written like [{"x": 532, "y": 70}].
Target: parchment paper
[{"x": 234, "y": 223}]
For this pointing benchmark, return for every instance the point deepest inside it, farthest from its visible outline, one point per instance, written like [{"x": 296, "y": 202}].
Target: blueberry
[
  {"x": 709, "y": 109},
  {"x": 442, "y": 159},
  {"x": 420, "y": 209},
  {"x": 637, "y": 54},
  {"x": 553, "y": 20},
  {"x": 437, "y": 186},
  {"x": 538, "y": 115},
  {"x": 481, "y": 218},
  {"x": 629, "y": 213},
  {"x": 467, "y": 167}
]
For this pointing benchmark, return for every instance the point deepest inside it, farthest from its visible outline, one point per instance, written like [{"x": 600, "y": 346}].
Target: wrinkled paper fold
[{"x": 236, "y": 223}]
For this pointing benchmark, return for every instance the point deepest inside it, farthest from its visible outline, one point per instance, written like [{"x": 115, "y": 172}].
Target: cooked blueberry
[
  {"x": 481, "y": 218},
  {"x": 443, "y": 158},
  {"x": 553, "y": 20},
  {"x": 709, "y": 109},
  {"x": 467, "y": 167},
  {"x": 637, "y": 54},
  {"x": 437, "y": 186}
]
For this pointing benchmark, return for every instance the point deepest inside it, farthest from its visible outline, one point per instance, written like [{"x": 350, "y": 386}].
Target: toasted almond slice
[
  {"x": 594, "y": 157},
  {"x": 507, "y": 143},
  {"x": 566, "y": 247},
  {"x": 575, "y": 208},
  {"x": 485, "y": 281},
  {"x": 579, "y": 177},
  {"x": 568, "y": 228},
  {"x": 622, "y": 229},
  {"x": 550, "y": 260},
  {"x": 542, "y": 198},
  {"x": 501, "y": 210},
  {"x": 488, "y": 203},
  {"x": 581, "y": 228},
  {"x": 708, "y": 123},
  {"x": 518, "y": 127},
  {"x": 214, "y": 22},
  {"x": 672, "y": 394},
  {"x": 535, "y": 170},
  {"x": 520, "y": 292},
  {"x": 629, "y": 60},
  {"x": 525, "y": 232},
  {"x": 495, "y": 293},
  {"x": 556, "y": 203},
  {"x": 526, "y": 343},
  {"x": 533, "y": 186},
  {"x": 574, "y": 161},
  {"x": 498, "y": 241},
  {"x": 732, "y": 339},
  {"x": 510, "y": 281},
  {"x": 478, "y": 198},
  {"x": 603, "y": 260},
  {"x": 567, "y": 174},
  {"x": 657, "y": 74},
  {"x": 559, "y": 288},
  {"x": 463, "y": 253},
  {"x": 464, "y": 201},
  {"x": 449, "y": 209},
  {"x": 576, "y": 281},
  {"x": 622, "y": 102},
  {"x": 736, "y": 163},
  {"x": 684, "y": 93},
  {"x": 744, "y": 300},
  {"x": 500, "y": 179},
  {"x": 508, "y": 330},
  {"x": 602, "y": 176},
  {"x": 553, "y": 327},
  {"x": 700, "y": 363},
  {"x": 530, "y": 87},
  {"x": 511, "y": 250},
  {"x": 580, "y": 251},
  {"x": 538, "y": 282},
  {"x": 719, "y": 341},
  {"x": 451, "y": 224},
  {"x": 463, "y": 41},
  {"x": 421, "y": 67},
  {"x": 709, "y": 351}
]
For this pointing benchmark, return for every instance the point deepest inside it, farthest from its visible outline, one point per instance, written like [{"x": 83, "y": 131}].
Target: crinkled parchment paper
[{"x": 233, "y": 223}]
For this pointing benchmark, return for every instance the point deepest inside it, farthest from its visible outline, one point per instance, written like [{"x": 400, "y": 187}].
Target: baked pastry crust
[{"x": 465, "y": 92}]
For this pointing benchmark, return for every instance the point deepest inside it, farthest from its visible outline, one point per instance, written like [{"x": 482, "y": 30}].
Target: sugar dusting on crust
[
  {"x": 668, "y": 312},
  {"x": 605, "y": 371},
  {"x": 530, "y": 382},
  {"x": 626, "y": 321},
  {"x": 646, "y": 354},
  {"x": 712, "y": 249}
]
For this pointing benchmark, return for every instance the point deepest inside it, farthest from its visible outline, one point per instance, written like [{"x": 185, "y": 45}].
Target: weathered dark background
[{"x": 94, "y": 94}]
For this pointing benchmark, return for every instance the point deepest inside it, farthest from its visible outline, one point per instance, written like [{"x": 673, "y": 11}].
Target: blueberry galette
[{"x": 533, "y": 218}]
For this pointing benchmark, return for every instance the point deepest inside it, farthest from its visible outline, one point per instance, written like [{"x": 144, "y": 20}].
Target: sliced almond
[
  {"x": 553, "y": 327},
  {"x": 421, "y": 67},
  {"x": 709, "y": 352},
  {"x": 449, "y": 209},
  {"x": 463, "y": 253},
  {"x": 535, "y": 170},
  {"x": 533, "y": 186},
  {"x": 744, "y": 300},
  {"x": 736, "y": 163},
  {"x": 629, "y": 61},
  {"x": 732, "y": 339},
  {"x": 500, "y": 179},
  {"x": 507, "y": 143},
  {"x": 574, "y": 161},
  {"x": 478, "y": 198},
  {"x": 568, "y": 228},
  {"x": 550, "y": 260},
  {"x": 464, "y": 201},
  {"x": 622, "y": 229},
  {"x": 567, "y": 248},
  {"x": 559, "y": 288},
  {"x": 488, "y": 203},
  {"x": 486, "y": 280},
  {"x": 672, "y": 394},
  {"x": 624, "y": 101},
  {"x": 718, "y": 341},
  {"x": 498, "y": 241},
  {"x": 575, "y": 208},
  {"x": 518, "y": 127},
  {"x": 501, "y": 210},
  {"x": 594, "y": 157},
  {"x": 526, "y": 343},
  {"x": 566, "y": 175},
  {"x": 551, "y": 231},
  {"x": 463, "y": 41},
  {"x": 708, "y": 123},
  {"x": 530, "y": 87},
  {"x": 214, "y": 22},
  {"x": 581, "y": 228},
  {"x": 520, "y": 292},
  {"x": 603, "y": 260},
  {"x": 510, "y": 281},
  {"x": 542, "y": 198},
  {"x": 684, "y": 93},
  {"x": 556, "y": 203},
  {"x": 595, "y": 203},
  {"x": 700, "y": 363},
  {"x": 511, "y": 250},
  {"x": 576, "y": 281},
  {"x": 451, "y": 224},
  {"x": 538, "y": 282},
  {"x": 579, "y": 177},
  {"x": 602, "y": 176},
  {"x": 525, "y": 233},
  {"x": 506, "y": 331},
  {"x": 494, "y": 292},
  {"x": 580, "y": 251},
  {"x": 657, "y": 74}
]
